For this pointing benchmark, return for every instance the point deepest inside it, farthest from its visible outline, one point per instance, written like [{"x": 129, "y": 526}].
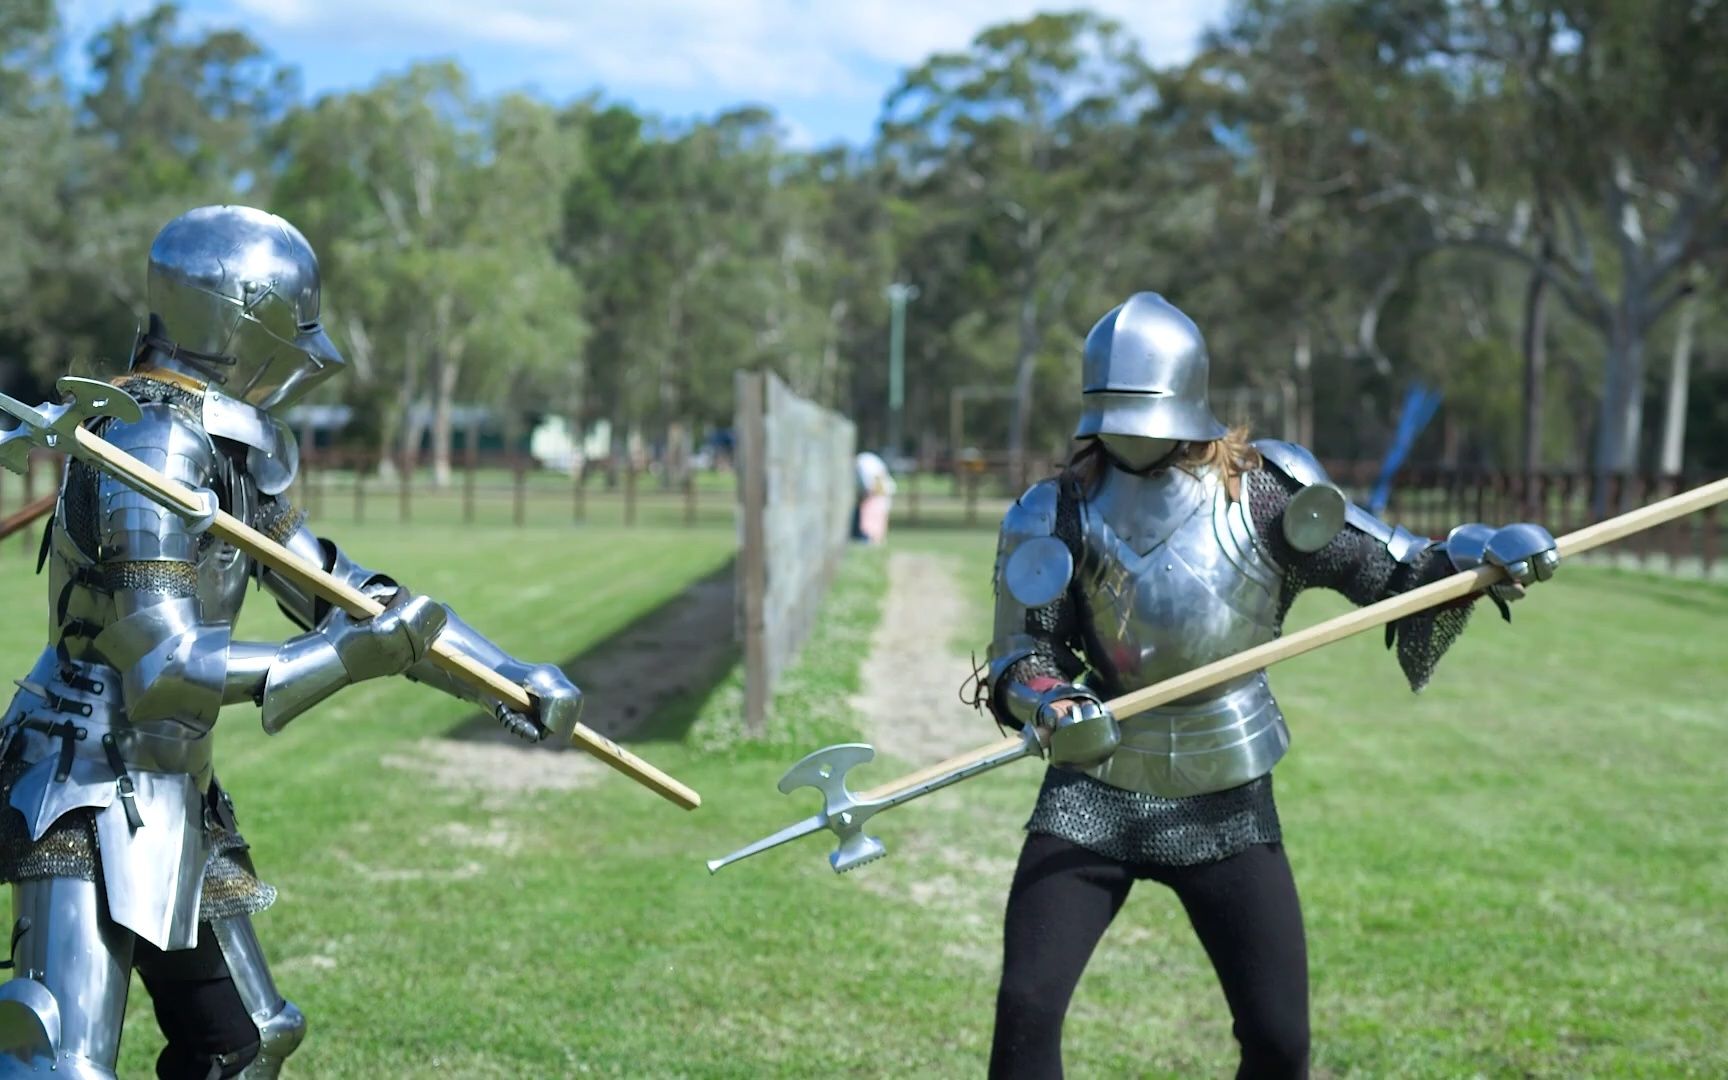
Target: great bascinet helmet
[{"x": 233, "y": 295}]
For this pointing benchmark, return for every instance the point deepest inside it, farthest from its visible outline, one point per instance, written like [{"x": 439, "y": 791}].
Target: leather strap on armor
[{"x": 122, "y": 781}]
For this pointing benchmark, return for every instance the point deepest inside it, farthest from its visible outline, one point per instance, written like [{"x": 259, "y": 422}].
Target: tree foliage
[{"x": 1347, "y": 195}]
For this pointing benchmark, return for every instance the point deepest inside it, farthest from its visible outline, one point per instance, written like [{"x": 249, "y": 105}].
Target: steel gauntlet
[
  {"x": 1527, "y": 552},
  {"x": 1083, "y": 735},
  {"x": 557, "y": 703}
]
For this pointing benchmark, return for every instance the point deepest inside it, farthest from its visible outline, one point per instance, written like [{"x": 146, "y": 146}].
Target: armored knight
[
  {"x": 1168, "y": 543},
  {"x": 120, "y": 844}
]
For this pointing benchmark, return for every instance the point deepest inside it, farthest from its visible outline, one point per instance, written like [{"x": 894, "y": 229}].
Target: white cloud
[{"x": 737, "y": 48}]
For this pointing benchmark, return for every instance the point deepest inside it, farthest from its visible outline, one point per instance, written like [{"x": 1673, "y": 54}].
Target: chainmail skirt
[
  {"x": 68, "y": 849},
  {"x": 1133, "y": 827}
]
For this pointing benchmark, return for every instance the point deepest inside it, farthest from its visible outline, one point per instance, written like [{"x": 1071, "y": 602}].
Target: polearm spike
[
  {"x": 60, "y": 426},
  {"x": 842, "y": 807}
]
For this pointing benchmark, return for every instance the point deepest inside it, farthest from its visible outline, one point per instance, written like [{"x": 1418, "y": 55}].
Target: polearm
[
  {"x": 60, "y": 427},
  {"x": 845, "y": 812},
  {"x": 27, "y": 515}
]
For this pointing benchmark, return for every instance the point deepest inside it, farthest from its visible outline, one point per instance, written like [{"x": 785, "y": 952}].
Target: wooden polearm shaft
[
  {"x": 26, "y": 515},
  {"x": 358, "y": 604}
]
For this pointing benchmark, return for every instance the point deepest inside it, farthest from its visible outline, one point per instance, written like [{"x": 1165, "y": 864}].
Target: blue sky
[{"x": 822, "y": 66}]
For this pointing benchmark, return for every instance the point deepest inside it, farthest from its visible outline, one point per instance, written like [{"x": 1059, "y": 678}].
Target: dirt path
[{"x": 910, "y": 701}]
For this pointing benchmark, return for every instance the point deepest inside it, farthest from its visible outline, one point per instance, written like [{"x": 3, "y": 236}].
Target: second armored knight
[
  {"x": 1168, "y": 543},
  {"x": 120, "y": 844}
]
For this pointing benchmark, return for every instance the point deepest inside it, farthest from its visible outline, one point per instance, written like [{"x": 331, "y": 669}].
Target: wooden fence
[
  {"x": 511, "y": 490},
  {"x": 1428, "y": 502}
]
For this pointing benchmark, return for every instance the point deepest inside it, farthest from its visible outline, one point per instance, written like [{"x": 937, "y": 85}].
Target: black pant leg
[
  {"x": 1247, "y": 916},
  {"x": 1062, "y": 900},
  {"x": 210, "y": 1034}
]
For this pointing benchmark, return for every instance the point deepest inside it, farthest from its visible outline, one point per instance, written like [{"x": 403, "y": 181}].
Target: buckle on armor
[
  {"x": 66, "y": 731},
  {"x": 123, "y": 781},
  {"x": 82, "y": 683}
]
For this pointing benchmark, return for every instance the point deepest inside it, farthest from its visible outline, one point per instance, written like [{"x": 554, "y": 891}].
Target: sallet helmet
[
  {"x": 233, "y": 295},
  {"x": 1144, "y": 373}
]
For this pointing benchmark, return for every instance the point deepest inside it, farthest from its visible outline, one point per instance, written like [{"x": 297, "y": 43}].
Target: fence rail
[{"x": 512, "y": 490}]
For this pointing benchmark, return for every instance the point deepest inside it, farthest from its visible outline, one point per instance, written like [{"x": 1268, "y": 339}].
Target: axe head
[
  {"x": 47, "y": 424},
  {"x": 856, "y": 850},
  {"x": 825, "y": 770}
]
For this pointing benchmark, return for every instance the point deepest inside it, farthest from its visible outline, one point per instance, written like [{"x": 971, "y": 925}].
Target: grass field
[{"x": 1518, "y": 873}]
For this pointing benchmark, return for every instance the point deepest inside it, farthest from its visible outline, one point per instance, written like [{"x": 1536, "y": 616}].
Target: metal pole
[{"x": 898, "y": 294}]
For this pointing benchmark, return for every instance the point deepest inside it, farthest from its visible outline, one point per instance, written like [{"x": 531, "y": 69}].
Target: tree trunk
[
  {"x": 1679, "y": 377},
  {"x": 1025, "y": 366},
  {"x": 675, "y": 464},
  {"x": 1303, "y": 361},
  {"x": 413, "y": 433},
  {"x": 1621, "y": 418},
  {"x": 1622, "y": 409},
  {"x": 443, "y": 413},
  {"x": 828, "y": 380},
  {"x": 1535, "y": 370},
  {"x": 619, "y": 462}
]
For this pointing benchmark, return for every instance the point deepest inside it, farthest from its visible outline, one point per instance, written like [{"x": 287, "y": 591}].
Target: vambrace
[
  {"x": 290, "y": 678},
  {"x": 307, "y": 610},
  {"x": 303, "y": 607}
]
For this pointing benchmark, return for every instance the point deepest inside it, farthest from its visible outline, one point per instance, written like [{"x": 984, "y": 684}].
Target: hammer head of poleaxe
[
  {"x": 825, "y": 770},
  {"x": 51, "y": 425}
]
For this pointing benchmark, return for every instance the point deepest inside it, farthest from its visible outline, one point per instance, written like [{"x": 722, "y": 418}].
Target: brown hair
[{"x": 1231, "y": 456}]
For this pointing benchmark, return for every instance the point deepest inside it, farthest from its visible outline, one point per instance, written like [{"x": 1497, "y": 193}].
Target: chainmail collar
[{"x": 177, "y": 379}]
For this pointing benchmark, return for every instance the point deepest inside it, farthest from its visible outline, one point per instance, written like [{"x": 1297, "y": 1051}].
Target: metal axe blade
[
  {"x": 47, "y": 424},
  {"x": 844, "y": 811}
]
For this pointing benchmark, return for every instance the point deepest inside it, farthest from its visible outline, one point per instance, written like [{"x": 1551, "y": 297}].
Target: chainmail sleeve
[{"x": 1359, "y": 567}]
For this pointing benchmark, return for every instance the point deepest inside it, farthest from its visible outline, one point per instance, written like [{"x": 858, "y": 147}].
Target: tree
[{"x": 996, "y": 140}]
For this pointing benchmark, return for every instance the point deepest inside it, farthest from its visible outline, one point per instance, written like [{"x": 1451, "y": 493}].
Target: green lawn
[{"x": 1518, "y": 873}]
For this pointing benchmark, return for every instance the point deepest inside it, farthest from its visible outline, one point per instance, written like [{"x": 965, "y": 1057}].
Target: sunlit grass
[{"x": 1518, "y": 872}]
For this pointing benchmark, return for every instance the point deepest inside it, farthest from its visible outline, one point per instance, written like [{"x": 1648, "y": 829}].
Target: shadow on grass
[{"x": 648, "y": 681}]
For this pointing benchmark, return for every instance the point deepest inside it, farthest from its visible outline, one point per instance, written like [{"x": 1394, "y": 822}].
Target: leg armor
[
  {"x": 280, "y": 1025},
  {"x": 63, "y": 1009}
]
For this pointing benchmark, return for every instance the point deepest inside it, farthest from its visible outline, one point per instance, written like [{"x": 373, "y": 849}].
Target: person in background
[{"x": 875, "y": 499}]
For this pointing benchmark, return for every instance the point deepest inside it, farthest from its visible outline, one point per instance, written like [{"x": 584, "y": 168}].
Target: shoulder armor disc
[
  {"x": 272, "y": 454},
  {"x": 1294, "y": 461},
  {"x": 1036, "y": 564}
]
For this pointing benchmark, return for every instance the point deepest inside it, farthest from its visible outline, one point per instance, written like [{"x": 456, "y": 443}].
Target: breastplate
[{"x": 1174, "y": 578}]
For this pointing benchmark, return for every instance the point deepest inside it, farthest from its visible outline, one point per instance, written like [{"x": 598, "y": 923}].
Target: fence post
[
  {"x": 912, "y": 491},
  {"x": 629, "y": 491},
  {"x": 405, "y": 470},
  {"x": 752, "y": 446},
  {"x": 359, "y": 466},
  {"x": 1709, "y": 542},
  {"x": 972, "y": 497},
  {"x": 578, "y": 494},
  {"x": 470, "y": 467},
  {"x": 521, "y": 494},
  {"x": 690, "y": 497}
]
